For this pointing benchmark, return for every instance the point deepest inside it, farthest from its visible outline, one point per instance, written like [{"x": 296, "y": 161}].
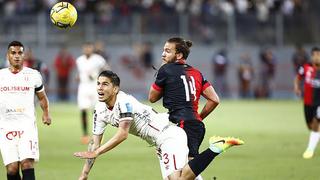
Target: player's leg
[
  {"x": 27, "y": 168},
  {"x": 200, "y": 162},
  {"x": 13, "y": 171},
  {"x": 172, "y": 152},
  {"x": 312, "y": 116},
  {"x": 195, "y": 131},
  {"x": 10, "y": 153}
]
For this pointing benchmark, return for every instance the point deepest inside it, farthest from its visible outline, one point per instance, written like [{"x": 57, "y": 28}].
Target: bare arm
[
  {"x": 121, "y": 135},
  {"x": 212, "y": 101},
  {"x": 93, "y": 145},
  {"x": 154, "y": 95},
  {"x": 44, "y": 104},
  {"x": 296, "y": 86}
]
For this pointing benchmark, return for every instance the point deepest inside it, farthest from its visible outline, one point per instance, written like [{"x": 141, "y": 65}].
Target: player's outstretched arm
[
  {"x": 93, "y": 145},
  {"x": 44, "y": 104},
  {"x": 212, "y": 101},
  {"x": 121, "y": 135}
]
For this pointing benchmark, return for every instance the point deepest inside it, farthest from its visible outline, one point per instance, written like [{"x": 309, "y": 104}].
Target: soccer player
[
  {"x": 124, "y": 112},
  {"x": 89, "y": 65},
  {"x": 310, "y": 74},
  {"x": 181, "y": 85},
  {"x": 19, "y": 143}
]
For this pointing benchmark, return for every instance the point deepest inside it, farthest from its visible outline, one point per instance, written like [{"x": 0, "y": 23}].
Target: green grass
[{"x": 274, "y": 132}]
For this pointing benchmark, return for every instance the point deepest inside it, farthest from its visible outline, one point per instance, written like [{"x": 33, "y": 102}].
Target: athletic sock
[
  {"x": 313, "y": 140},
  {"x": 13, "y": 177},
  {"x": 84, "y": 122},
  {"x": 28, "y": 174},
  {"x": 201, "y": 161}
]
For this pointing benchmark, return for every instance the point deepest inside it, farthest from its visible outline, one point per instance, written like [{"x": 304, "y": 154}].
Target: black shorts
[
  {"x": 195, "y": 131},
  {"x": 311, "y": 112}
]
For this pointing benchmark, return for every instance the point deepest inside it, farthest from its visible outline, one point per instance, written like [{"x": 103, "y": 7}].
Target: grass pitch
[{"x": 274, "y": 132}]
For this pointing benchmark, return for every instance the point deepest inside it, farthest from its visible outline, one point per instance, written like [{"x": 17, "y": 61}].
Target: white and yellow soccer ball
[{"x": 63, "y": 15}]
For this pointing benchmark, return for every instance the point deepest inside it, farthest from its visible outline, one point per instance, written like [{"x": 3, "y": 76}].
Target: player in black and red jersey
[
  {"x": 181, "y": 85},
  {"x": 310, "y": 73}
]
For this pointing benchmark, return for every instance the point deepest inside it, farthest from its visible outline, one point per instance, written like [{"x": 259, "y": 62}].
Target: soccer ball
[{"x": 63, "y": 15}]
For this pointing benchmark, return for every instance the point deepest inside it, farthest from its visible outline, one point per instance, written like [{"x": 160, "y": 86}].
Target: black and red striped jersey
[
  {"x": 181, "y": 85},
  {"x": 311, "y": 78}
]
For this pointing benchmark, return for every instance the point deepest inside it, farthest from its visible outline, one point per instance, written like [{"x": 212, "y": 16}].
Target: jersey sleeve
[
  {"x": 205, "y": 83},
  {"x": 126, "y": 110},
  {"x": 99, "y": 126},
  {"x": 160, "y": 79},
  {"x": 38, "y": 83}
]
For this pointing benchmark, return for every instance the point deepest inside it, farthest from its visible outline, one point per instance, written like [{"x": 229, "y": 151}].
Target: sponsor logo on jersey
[
  {"x": 129, "y": 107},
  {"x": 14, "y": 88},
  {"x": 16, "y": 110},
  {"x": 12, "y": 134}
]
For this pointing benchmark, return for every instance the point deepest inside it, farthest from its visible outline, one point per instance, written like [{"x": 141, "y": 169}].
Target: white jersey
[
  {"x": 17, "y": 93},
  {"x": 146, "y": 123},
  {"x": 89, "y": 68}
]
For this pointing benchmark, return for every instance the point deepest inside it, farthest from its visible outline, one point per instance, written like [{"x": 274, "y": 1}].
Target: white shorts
[
  {"x": 17, "y": 145},
  {"x": 87, "y": 96},
  {"x": 174, "y": 150}
]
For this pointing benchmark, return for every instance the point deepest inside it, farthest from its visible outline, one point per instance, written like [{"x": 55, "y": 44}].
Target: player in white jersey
[
  {"x": 89, "y": 65},
  {"x": 130, "y": 116},
  {"x": 19, "y": 143}
]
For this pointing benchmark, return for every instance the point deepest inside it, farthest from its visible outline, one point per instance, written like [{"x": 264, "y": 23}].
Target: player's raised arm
[{"x": 44, "y": 104}]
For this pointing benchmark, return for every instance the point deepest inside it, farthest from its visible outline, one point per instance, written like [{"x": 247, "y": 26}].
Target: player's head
[
  {"x": 15, "y": 54},
  {"x": 315, "y": 56},
  {"x": 176, "y": 48},
  {"x": 108, "y": 85},
  {"x": 88, "y": 49}
]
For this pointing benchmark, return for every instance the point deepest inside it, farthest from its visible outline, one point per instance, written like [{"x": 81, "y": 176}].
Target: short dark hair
[
  {"x": 15, "y": 43},
  {"x": 182, "y": 46},
  {"x": 314, "y": 49},
  {"x": 115, "y": 80}
]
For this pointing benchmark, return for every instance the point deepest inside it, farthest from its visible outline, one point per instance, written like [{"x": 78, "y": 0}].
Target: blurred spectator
[
  {"x": 31, "y": 62},
  {"x": 267, "y": 72},
  {"x": 220, "y": 65},
  {"x": 147, "y": 55},
  {"x": 131, "y": 62},
  {"x": 99, "y": 48},
  {"x": 245, "y": 74},
  {"x": 299, "y": 58},
  {"x": 63, "y": 64}
]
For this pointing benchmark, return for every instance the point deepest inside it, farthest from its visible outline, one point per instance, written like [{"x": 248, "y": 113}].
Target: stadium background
[{"x": 236, "y": 25}]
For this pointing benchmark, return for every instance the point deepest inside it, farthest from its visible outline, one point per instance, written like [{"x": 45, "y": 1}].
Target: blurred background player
[
  {"x": 130, "y": 116},
  {"x": 310, "y": 74},
  {"x": 181, "y": 85},
  {"x": 89, "y": 65},
  {"x": 18, "y": 130}
]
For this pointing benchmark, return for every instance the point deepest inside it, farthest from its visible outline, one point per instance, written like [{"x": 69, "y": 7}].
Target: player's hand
[
  {"x": 46, "y": 119},
  {"x": 86, "y": 154}
]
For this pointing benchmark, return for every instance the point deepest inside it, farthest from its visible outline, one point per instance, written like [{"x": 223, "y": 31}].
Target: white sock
[
  {"x": 313, "y": 140},
  {"x": 199, "y": 177}
]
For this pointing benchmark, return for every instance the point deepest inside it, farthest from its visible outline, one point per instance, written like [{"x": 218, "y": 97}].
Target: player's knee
[
  {"x": 27, "y": 164},
  {"x": 13, "y": 168}
]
